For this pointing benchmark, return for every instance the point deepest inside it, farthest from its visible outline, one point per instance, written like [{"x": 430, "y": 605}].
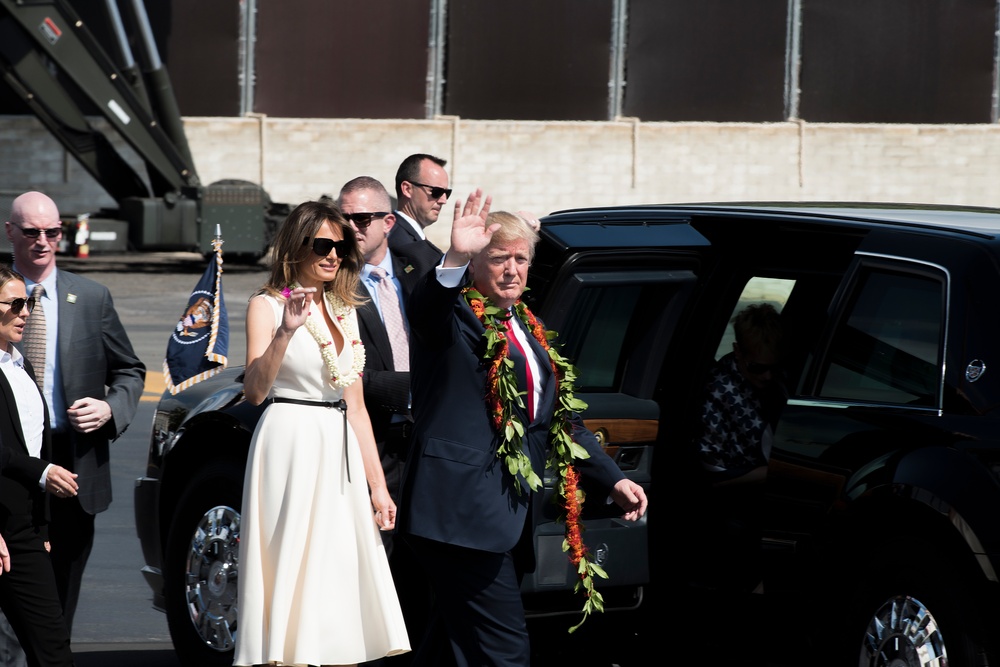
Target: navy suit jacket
[
  {"x": 387, "y": 391},
  {"x": 422, "y": 255},
  {"x": 456, "y": 489},
  {"x": 96, "y": 360}
]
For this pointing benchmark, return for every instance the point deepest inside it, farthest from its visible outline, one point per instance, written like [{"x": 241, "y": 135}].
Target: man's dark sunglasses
[
  {"x": 759, "y": 369},
  {"x": 435, "y": 191},
  {"x": 362, "y": 220},
  {"x": 32, "y": 233},
  {"x": 322, "y": 247},
  {"x": 18, "y": 304}
]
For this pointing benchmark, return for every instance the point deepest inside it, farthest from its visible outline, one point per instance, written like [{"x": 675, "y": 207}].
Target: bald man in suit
[{"x": 92, "y": 383}]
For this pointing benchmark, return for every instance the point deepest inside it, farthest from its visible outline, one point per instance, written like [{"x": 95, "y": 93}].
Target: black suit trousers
[
  {"x": 29, "y": 598},
  {"x": 71, "y": 534},
  {"x": 478, "y": 607}
]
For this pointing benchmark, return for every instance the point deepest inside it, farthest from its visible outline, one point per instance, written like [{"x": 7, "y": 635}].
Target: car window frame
[{"x": 809, "y": 391}]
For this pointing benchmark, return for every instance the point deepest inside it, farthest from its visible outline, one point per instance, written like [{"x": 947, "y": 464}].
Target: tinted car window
[
  {"x": 596, "y": 346},
  {"x": 887, "y": 349},
  {"x": 612, "y": 317}
]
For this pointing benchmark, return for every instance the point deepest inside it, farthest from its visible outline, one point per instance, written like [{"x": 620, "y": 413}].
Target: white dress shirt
[{"x": 30, "y": 408}]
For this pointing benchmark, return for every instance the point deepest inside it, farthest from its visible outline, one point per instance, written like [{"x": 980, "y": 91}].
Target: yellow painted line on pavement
[{"x": 155, "y": 386}]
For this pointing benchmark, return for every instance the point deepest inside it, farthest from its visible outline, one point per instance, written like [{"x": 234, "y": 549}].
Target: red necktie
[{"x": 512, "y": 337}]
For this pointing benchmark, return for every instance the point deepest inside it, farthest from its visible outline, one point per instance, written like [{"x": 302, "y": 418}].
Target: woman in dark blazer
[{"x": 28, "y": 594}]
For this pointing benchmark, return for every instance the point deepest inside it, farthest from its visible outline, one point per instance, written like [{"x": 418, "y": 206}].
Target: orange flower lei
[{"x": 501, "y": 397}]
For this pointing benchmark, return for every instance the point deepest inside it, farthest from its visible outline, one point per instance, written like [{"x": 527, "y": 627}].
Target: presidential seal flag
[{"x": 200, "y": 342}]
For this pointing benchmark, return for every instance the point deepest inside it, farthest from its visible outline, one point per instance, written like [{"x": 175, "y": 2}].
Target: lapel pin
[
  {"x": 409, "y": 267},
  {"x": 71, "y": 298}
]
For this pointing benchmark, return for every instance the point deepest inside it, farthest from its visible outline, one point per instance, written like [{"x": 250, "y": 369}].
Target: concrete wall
[{"x": 546, "y": 166}]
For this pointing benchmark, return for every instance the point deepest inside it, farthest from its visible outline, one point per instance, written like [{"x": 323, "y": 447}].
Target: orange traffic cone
[{"x": 82, "y": 235}]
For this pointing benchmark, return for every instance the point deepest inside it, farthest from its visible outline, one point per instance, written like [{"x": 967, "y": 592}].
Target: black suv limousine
[{"x": 883, "y": 490}]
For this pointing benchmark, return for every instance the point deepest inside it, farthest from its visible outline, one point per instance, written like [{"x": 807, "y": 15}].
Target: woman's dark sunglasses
[
  {"x": 17, "y": 305},
  {"x": 322, "y": 247},
  {"x": 436, "y": 191},
  {"x": 362, "y": 220},
  {"x": 33, "y": 233}
]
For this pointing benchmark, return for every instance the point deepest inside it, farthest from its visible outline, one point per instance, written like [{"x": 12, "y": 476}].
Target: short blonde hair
[{"x": 513, "y": 227}]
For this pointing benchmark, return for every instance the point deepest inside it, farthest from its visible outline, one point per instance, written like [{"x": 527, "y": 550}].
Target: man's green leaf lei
[{"x": 501, "y": 397}]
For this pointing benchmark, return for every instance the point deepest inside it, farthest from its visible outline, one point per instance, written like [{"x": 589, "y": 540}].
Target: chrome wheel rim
[
  {"x": 903, "y": 633},
  {"x": 212, "y": 568}
]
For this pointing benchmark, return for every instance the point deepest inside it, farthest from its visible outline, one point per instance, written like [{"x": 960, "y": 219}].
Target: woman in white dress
[{"x": 314, "y": 580}]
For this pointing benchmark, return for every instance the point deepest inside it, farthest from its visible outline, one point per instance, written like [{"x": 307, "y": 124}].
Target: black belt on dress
[{"x": 340, "y": 405}]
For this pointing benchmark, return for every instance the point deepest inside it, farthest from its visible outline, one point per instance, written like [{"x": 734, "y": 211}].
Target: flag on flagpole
[{"x": 198, "y": 346}]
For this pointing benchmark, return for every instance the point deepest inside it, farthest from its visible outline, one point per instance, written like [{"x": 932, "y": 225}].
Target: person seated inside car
[{"x": 744, "y": 395}]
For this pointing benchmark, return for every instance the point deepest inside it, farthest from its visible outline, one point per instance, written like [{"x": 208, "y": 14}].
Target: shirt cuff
[
  {"x": 450, "y": 276},
  {"x": 45, "y": 475}
]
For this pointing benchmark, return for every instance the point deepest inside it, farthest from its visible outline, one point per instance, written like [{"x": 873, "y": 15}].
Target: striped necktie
[
  {"x": 34, "y": 336},
  {"x": 392, "y": 316}
]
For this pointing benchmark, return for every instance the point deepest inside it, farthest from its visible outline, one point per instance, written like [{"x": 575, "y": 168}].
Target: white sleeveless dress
[{"x": 314, "y": 581}]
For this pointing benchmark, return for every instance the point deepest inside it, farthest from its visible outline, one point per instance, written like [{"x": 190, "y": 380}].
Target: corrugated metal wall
[
  {"x": 199, "y": 42},
  {"x": 528, "y": 60},
  {"x": 886, "y": 61},
  {"x": 323, "y": 59},
  {"x": 711, "y": 60},
  {"x": 892, "y": 61}
]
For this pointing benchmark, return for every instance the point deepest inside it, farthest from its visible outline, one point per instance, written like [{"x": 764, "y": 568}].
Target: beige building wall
[{"x": 547, "y": 166}]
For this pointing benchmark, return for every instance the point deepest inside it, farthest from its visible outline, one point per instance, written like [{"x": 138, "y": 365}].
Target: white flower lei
[{"x": 342, "y": 312}]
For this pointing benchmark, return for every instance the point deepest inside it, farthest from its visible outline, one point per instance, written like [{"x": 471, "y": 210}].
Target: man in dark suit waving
[
  {"x": 467, "y": 516},
  {"x": 91, "y": 380}
]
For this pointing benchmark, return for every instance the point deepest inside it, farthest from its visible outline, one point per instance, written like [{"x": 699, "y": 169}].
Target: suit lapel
[
  {"x": 12, "y": 414},
  {"x": 373, "y": 326},
  {"x": 407, "y": 279},
  {"x": 46, "y": 430},
  {"x": 65, "y": 286},
  {"x": 405, "y": 228}
]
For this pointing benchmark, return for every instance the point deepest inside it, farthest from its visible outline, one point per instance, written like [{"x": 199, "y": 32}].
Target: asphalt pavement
[{"x": 125, "y": 655}]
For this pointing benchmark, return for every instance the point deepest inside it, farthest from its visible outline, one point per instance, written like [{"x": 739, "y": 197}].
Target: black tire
[
  {"x": 916, "y": 606},
  {"x": 202, "y": 567}
]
